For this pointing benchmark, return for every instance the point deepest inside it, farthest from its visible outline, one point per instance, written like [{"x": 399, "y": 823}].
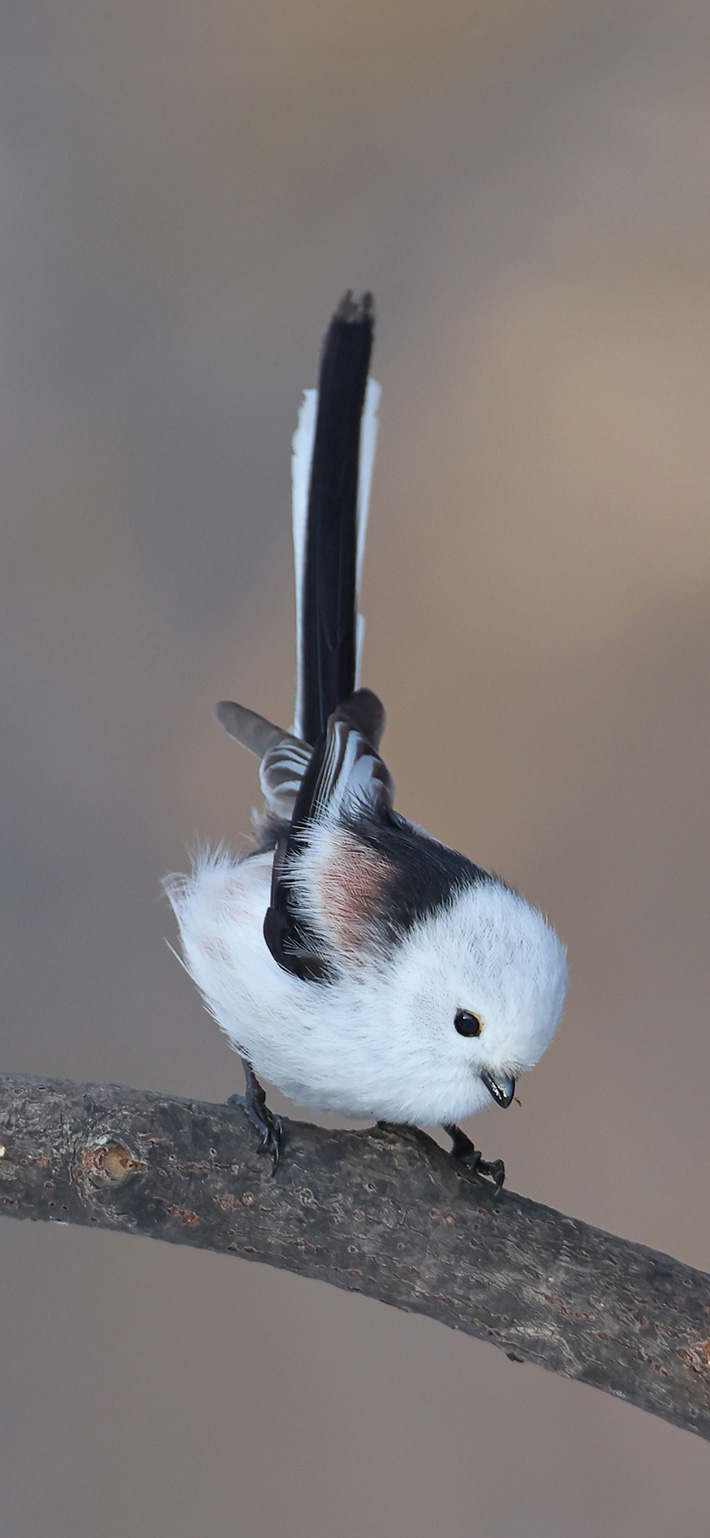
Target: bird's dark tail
[{"x": 333, "y": 453}]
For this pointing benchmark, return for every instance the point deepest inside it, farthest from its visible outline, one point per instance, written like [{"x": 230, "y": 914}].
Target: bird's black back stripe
[{"x": 425, "y": 875}]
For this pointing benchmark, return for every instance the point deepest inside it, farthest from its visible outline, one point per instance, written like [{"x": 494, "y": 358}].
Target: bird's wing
[
  {"x": 345, "y": 777},
  {"x": 281, "y": 773},
  {"x": 349, "y": 772},
  {"x": 284, "y": 758}
]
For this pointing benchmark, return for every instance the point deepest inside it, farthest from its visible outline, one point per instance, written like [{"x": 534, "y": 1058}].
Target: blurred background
[{"x": 185, "y": 193}]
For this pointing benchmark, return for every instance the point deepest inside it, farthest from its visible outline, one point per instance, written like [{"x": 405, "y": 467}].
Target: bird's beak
[{"x": 502, "y": 1087}]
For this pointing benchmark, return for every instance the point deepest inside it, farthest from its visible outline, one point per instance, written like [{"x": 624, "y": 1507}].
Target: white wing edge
[
  {"x": 368, "y": 444},
  {"x": 301, "y": 457}
]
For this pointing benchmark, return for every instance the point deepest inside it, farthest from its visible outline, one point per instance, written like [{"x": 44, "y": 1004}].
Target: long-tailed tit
[{"x": 351, "y": 958}]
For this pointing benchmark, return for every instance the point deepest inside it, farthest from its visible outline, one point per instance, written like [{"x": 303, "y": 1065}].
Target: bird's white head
[{"x": 478, "y": 986}]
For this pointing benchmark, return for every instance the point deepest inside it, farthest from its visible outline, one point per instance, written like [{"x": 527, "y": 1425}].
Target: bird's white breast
[{"x": 331, "y": 1046}]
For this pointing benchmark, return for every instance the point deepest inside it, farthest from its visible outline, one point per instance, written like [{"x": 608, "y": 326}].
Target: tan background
[{"x": 185, "y": 191}]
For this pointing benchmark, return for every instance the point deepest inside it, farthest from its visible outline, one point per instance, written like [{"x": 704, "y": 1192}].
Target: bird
[{"x": 351, "y": 958}]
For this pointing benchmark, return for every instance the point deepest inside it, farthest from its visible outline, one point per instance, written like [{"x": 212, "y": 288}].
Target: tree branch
[{"x": 382, "y": 1212}]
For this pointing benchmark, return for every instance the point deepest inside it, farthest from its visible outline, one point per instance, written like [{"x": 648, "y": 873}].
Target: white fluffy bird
[{"x": 351, "y": 958}]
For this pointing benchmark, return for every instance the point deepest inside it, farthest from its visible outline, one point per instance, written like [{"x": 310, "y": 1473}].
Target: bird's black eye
[{"x": 466, "y": 1023}]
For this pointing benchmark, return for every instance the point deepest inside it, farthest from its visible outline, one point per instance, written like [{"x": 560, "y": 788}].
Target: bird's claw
[
  {"x": 464, "y": 1152},
  {"x": 271, "y": 1128},
  {"x": 495, "y": 1171},
  {"x": 266, "y": 1123}
]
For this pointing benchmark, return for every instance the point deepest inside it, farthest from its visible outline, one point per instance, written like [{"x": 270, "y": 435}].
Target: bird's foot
[
  {"x": 267, "y": 1124},
  {"x": 464, "y": 1152}
]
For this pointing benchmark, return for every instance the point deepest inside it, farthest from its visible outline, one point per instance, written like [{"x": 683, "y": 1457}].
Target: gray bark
[{"x": 382, "y": 1212}]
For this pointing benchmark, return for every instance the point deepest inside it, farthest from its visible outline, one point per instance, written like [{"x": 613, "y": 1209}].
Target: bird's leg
[
  {"x": 463, "y": 1151},
  {"x": 254, "y": 1103}
]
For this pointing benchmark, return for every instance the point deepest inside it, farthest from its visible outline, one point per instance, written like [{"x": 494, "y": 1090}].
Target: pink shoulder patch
[{"x": 347, "y": 889}]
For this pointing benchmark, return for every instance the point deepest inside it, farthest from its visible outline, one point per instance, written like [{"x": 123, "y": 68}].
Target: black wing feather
[{"x": 328, "y": 638}]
